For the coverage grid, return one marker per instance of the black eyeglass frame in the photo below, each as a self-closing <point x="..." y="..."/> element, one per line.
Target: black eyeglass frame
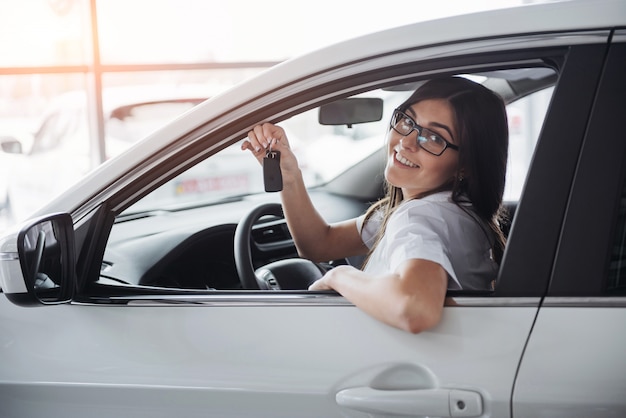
<point x="419" y="129"/>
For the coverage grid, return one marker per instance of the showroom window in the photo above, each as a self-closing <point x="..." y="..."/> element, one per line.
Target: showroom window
<point x="73" y="71"/>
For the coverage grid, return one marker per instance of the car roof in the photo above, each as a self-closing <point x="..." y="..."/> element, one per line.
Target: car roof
<point x="518" y="21"/>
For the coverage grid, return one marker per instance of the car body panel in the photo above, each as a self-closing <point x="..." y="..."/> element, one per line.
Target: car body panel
<point x="569" y="356"/>
<point x="243" y="357"/>
<point x="545" y="197"/>
<point x="580" y="332"/>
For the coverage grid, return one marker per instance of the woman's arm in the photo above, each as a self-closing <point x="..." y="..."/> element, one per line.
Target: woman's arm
<point x="411" y="298"/>
<point x="314" y="237"/>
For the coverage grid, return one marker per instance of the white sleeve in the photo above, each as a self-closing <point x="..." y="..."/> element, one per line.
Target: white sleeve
<point x="420" y="232"/>
<point x="368" y="230"/>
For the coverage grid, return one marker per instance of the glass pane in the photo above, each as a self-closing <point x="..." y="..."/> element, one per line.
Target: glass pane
<point x="183" y="31"/>
<point x="137" y="103"/>
<point x="210" y="81"/>
<point x="526" y="118"/>
<point x="617" y="264"/>
<point x="46" y="116"/>
<point x="44" y="33"/>
<point x="324" y="152"/>
<point x="232" y="172"/>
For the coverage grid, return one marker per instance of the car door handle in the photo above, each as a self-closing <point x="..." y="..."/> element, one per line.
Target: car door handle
<point x="421" y="402"/>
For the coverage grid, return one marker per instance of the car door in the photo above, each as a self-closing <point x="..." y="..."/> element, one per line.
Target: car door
<point x="574" y="364"/>
<point x="297" y="353"/>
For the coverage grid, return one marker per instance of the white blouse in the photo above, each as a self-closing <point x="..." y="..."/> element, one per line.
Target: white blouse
<point x="433" y="228"/>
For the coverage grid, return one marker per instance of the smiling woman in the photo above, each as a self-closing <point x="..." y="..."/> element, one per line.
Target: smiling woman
<point x="418" y="173"/>
<point x="328" y="150"/>
<point x="437" y="228"/>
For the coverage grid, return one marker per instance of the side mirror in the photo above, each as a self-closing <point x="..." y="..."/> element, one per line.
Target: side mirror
<point x="351" y="111"/>
<point x="10" y="145"/>
<point x="43" y="270"/>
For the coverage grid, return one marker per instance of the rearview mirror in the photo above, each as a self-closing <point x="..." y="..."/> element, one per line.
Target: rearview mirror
<point x="45" y="250"/>
<point x="351" y="111"/>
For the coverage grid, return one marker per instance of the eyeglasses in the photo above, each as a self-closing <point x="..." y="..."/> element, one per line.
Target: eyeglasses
<point x="426" y="139"/>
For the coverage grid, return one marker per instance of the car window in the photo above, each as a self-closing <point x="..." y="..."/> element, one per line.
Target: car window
<point x="616" y="281"/>
<point x="526" y="117"/>
<point x="231" y="172"/>
<point x="181" y="234"/>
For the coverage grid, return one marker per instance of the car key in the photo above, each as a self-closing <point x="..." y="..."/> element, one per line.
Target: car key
<point x="272" y="177"/>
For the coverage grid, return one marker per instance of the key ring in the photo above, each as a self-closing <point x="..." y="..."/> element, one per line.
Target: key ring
<point x="269" y="148"/>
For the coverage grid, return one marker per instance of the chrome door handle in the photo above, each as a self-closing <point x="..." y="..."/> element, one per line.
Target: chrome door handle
<point x="420" y="402"/>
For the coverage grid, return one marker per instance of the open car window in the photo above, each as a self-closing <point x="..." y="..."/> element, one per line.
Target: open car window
<point x="181" y="234"/>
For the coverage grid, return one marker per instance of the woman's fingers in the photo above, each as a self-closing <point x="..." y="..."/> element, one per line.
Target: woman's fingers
<point x="267" y="135"/>
<point x="261" y="136"/>
<point x="256" y="140"/>
<point x="319" y="285"/>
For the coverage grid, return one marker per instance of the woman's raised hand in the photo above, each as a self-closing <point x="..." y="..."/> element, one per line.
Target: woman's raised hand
<point x="259" y="140"/>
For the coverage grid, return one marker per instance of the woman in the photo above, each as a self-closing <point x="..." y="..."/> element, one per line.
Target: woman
<point x="438" y="226"/>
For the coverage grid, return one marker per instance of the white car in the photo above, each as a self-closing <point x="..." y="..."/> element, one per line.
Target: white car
<point x="144" y="306"/>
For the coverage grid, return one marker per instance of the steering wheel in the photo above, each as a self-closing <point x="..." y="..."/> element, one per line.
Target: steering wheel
<point x="287" y="274"/>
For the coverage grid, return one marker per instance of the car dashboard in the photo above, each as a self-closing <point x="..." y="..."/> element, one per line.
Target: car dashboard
<point x="194" y="248"/>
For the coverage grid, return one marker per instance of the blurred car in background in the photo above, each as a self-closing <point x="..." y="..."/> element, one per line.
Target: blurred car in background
<point x="36" y="166"/>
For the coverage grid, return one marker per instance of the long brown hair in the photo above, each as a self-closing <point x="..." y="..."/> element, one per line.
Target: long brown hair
<point x="483" y="140"/>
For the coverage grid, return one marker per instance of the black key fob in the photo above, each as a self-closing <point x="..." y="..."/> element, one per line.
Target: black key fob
<point x="272" y="177"/>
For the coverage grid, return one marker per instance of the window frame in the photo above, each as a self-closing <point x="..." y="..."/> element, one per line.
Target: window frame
<point x="582" y="262"/>
<point x="578" y="66"/>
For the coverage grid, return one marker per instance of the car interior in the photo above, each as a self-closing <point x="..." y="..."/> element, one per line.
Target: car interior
<point x="202" y="232"/>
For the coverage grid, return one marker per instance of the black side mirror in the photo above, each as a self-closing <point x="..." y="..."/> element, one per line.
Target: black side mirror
<point x="351" y="111"/>
<point x="45" y="249"/>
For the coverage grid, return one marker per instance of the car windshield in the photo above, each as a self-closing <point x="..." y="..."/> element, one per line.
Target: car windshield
<point x="326" y="151"/>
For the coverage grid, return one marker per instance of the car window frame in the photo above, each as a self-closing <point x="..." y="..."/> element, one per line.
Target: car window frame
<point x="533" y="241"/>
<point x="582" y="262"/>
<point x="512" y="283"/>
